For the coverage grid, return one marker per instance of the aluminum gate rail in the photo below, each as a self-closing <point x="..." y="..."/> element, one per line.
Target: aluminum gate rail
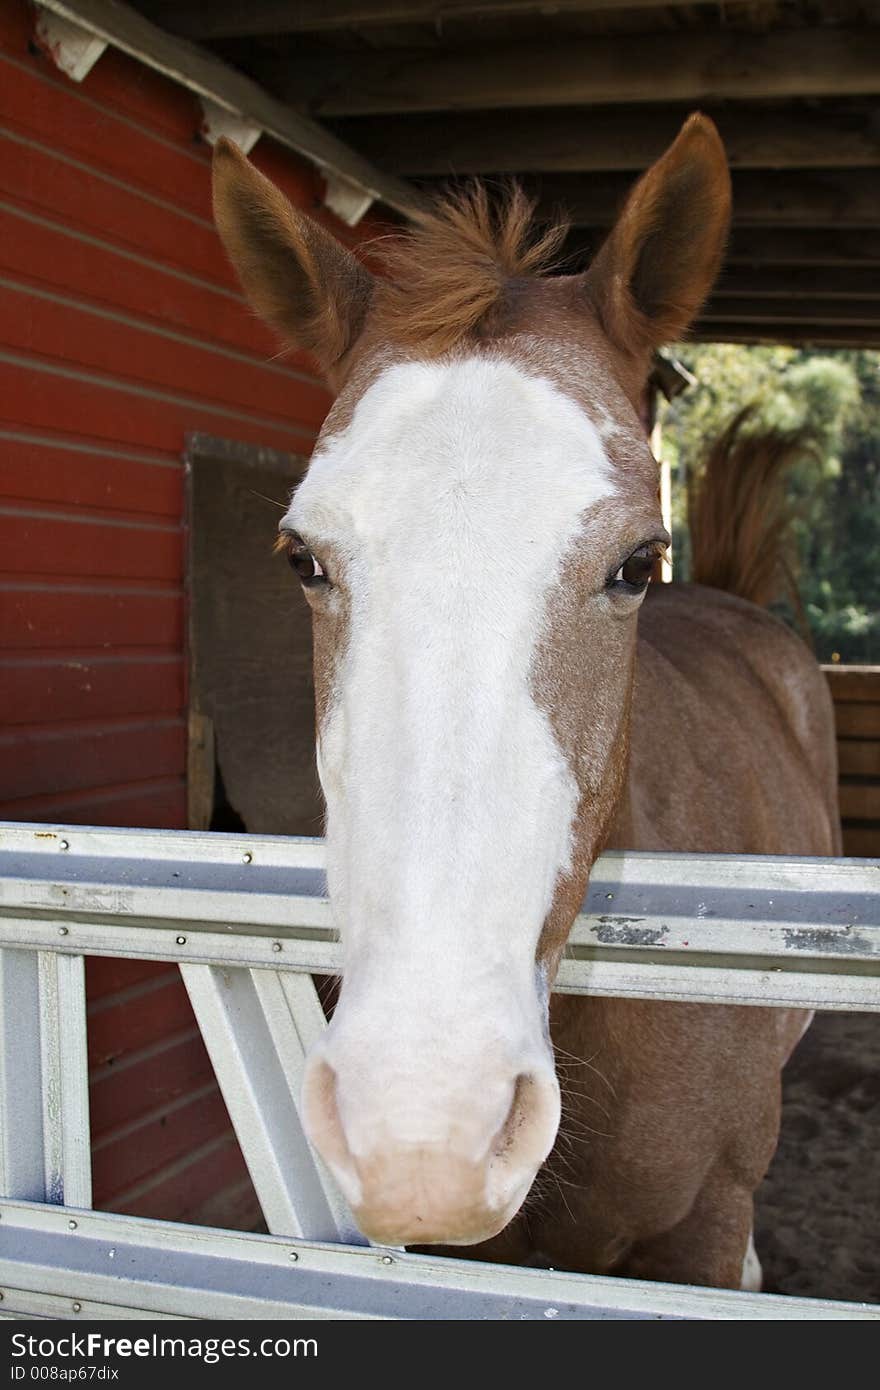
<point x="246" y="918"/>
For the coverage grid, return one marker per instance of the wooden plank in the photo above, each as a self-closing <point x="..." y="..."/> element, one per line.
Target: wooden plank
<point x="119" y="85"/>
<point x="797" y="282"/>
<point x="43" y="179"/>
<point x="813" y="246"/>
<point x="231" y="19"/>
<point x="770" y="246"/>
<point x="860" y="801"/>
<point x="75" y="545"/>
<point x="180" y="1187"/>
<point x="232" y="1205"/>
<point x="42" y="106"/>
<point x="818" y="312"/>
<point x="105" y="976"/>
<point x="117" y="82"/>
<point x="61" y="118"/>
<point x="207" y="76"/>
<point x="582" y="140"/>
<point x="837" y="199"/>
<point x="791" y="334"/>
<point x="72" y="617"/>
<point x="53" y="759"/>
<point x="201" y="771"/>
<point x="856" y="720"/>
<point x="51" y="254"/>
<point x="96" y="405"/>
<point x="861" y="841"/>
<point x="696" y="67"/>
<point x="168" y="1069"/>
<point x="87" y="474"/>
<point x="157" y="803"/>
<point x="854" y="682"/>
<point x="156" y="1140"/>
<point x="110" y="1039"/>
<point x="54" y="325"/>
<point x="73" y="686"/>
<point x="859" y="757"/>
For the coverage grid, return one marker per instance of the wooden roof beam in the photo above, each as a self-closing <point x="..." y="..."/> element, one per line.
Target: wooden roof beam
<point x="792" y="334"/>
<point x="696" y="67"/>
<point x="818" y="313"/>
<point x="585" y="140"/>
<point x="759" y="247"/>
<point x="798" y="282"/>
<point x="797" y="200"/>
<point x="219" y="19"/>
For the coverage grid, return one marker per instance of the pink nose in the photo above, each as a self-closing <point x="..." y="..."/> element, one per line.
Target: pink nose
<point x="422" y="1191"/>
<point x="424" y="1196"/>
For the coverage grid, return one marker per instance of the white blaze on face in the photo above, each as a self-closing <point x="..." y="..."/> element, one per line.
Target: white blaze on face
<point x="453" y="494"/>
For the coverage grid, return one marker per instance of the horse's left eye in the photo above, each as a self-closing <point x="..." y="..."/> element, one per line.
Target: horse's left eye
<point x="635" y="573"/>
<point x="301" y="560"/>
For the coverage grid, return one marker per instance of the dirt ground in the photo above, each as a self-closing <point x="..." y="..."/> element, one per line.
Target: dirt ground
<point x="817" y="1228"/>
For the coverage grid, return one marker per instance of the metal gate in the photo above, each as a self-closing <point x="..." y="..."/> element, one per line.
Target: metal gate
<point x="247" y="920"/>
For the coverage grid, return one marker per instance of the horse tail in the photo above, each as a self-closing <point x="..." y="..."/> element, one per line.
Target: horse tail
<point x="740" y="516"/>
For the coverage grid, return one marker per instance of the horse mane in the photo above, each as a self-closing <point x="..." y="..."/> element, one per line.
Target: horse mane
<point x="446" y="277"/>
<point x="740" y="516"/>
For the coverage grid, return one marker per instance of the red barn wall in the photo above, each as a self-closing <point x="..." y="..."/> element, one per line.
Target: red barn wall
<point x="121" y="328"/>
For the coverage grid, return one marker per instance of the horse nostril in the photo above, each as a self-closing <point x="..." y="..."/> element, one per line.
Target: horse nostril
<point x="323" y="1122"/>
<point x="506" y="1138"/>
<point x="527" y="1135"/>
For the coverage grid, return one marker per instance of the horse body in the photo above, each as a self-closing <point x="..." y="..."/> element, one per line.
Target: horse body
<point x="475" y="536"/>
<point x="749" y="762"/>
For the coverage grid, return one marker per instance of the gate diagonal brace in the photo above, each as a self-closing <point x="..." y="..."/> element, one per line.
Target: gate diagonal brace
<point x="258" y="1026"/>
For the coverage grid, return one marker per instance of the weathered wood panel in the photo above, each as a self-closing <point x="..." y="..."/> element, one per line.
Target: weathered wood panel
<point x="858" y="720"/>
<point x="250" y="645"/>
<point x="856" y="694"/>
<point x="859" y="757"/>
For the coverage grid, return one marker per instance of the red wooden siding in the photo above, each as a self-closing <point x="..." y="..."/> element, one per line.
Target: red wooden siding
<point x="121" y="328"/>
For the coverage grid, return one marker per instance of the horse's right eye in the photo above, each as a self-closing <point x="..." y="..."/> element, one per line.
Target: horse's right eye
<point x="306" y="565"/>
<point x="637" y="570"/>
<point x="634" y="574"/>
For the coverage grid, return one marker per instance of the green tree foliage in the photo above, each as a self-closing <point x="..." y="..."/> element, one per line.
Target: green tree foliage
<point x="834" y="488"/>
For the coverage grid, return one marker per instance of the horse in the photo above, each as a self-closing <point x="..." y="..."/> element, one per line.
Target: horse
<point x="498" y="698"/>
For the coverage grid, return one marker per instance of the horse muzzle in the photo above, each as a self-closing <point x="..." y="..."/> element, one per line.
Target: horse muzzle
<point x="451" y="1169"/>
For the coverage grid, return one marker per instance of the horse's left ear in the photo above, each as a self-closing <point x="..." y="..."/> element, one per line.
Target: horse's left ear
<point x="650" y="278"/>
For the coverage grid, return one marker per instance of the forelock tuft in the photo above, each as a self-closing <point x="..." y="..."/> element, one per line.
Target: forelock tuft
<point x="445" y="278"/>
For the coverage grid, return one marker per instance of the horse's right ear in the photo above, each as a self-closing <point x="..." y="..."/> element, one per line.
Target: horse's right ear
<point x="297" y="276"/>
